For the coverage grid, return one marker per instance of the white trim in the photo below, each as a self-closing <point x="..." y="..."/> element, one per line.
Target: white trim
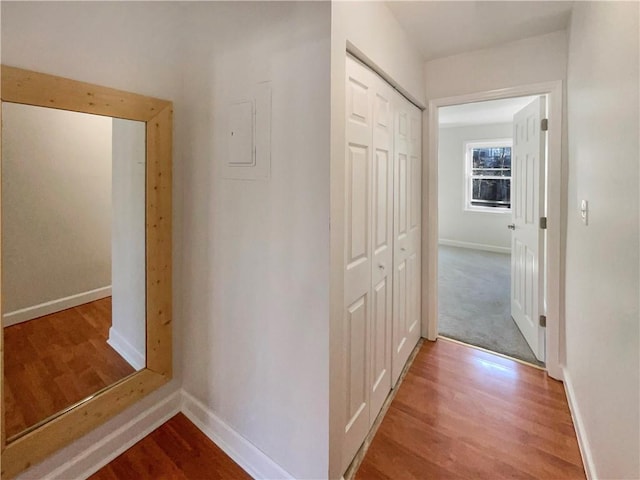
<point x="555" y="210"/>
<point x="120" y="344"/>
<point x="255" y="462"/>
<point x="474" y="246"/>
<point x="46" y="308"/>
<point x="89" y="461"/>
<point x="583" y="441"/>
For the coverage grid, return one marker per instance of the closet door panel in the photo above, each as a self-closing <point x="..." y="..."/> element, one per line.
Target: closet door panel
<point x="356" y="336"/>
<point x="407" y="200"/>
<point x="415" y="209"/>
<point x="382" y="265"/>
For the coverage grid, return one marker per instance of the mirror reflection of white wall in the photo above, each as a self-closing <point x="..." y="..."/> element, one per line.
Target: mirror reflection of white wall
<point x="73" y="236"/>
<point x="56" y="210"/>
<point x="127" y="333"/>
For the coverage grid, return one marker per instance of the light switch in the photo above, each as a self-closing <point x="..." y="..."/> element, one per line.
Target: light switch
<point x="240" y="135"/>
<point x="584" y="212"/>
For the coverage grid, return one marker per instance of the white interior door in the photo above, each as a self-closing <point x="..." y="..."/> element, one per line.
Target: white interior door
<point x="407" y="204"/>
<point x="358" y="256"/>
<point x="527" y="205"/>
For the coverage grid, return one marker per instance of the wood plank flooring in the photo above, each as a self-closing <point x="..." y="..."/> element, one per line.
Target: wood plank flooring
<point x="465" y="413"/>
<point x="176" y="450"/>
<point x="460" y="413"/>
<point x="53" y="362"/>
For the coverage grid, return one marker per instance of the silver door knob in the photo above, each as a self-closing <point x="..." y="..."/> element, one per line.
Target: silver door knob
<point x="381" y="267"/>
<point x="511" y="226"/>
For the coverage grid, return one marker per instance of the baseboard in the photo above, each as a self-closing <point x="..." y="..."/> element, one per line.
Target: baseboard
<point x="29" y="313"/>
<point x="255" y="462"/>
<point x="134" y="357"/>
<point x="583" y="441"/>
<point x="99" y="454"/>
<point x="474" y="246"/>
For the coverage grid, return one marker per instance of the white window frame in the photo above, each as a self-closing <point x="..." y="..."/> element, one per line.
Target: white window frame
<point x="468" y="178"/>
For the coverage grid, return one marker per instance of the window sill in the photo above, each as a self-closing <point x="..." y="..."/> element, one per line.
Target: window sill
<point x="498" y="211"/>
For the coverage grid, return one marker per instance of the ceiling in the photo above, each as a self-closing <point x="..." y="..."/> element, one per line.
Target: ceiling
<point x="494" y="111"/>
<point x="443" y="28"/>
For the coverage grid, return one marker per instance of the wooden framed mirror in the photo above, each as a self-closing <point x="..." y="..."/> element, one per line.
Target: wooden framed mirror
<point x="44" y="436"/>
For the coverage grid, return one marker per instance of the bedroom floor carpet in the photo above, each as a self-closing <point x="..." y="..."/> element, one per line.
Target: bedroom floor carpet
<point x="473" y="301"/>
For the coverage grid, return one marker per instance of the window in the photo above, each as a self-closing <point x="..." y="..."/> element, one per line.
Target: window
<point x="488" y="176"/>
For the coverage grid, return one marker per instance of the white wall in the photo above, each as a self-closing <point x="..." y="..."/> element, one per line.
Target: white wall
<point x="602" y="285"/>
<point x="372" y="29"/>
<point x="532" y="60"/>
<point x="127" y="334"/>
<point x="56" y="205"/>
<point x="251" y="259"/>
<point x="455" y="224"/>
<point x="256" y="264"/>
<point x="129" y="45"/>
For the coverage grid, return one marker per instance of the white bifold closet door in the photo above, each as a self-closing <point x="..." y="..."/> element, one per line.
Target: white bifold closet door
<point x="406" y="233"/>
<point x="382" y="246"/>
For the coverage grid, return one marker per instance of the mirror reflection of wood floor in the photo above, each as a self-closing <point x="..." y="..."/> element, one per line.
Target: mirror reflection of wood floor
<point x="54" y="361"/>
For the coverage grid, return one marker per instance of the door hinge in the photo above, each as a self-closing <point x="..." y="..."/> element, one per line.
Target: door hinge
<point x="543" y="320"/>
<point x="544" y="124"/>
<point x="543" y="223"/>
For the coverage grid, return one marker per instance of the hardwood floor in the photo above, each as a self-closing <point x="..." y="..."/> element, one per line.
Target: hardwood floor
<point x="465" y="413"/>
<point x="459" y="413"/>
<point x="176" y="450"/>
<point x="55" y="361"/>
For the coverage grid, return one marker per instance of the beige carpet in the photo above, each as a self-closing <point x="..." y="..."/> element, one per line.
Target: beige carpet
<point x="473" y="301"/>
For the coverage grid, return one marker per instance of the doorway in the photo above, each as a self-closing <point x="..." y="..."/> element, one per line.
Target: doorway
<point x="491" y="262"/>
<point x="477" y="201"/>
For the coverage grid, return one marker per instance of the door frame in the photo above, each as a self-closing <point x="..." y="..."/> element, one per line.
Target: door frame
<point x="555" y="189"/>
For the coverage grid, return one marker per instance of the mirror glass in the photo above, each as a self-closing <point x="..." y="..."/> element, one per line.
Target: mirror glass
<point x="73" y="259"/>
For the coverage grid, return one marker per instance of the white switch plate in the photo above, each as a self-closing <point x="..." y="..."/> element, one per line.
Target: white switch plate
<point x="584" y="212"/>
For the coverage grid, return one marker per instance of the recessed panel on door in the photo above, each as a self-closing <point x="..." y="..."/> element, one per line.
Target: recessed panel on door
<point x="415" y="179"/>
<point x="403" y="124"/>
<point x="530" y="194"/>
<point x="403" y="184"/>
<point x="413" y="294"/>
<point x="357" y="204"/>
<point x="380" y="344"/>
<point x="358" y="102"/>
<point x="400" y="293"/>
<point x="383" y="111"/>
<point x="355" y="334"/>
<point x="382" y="185"/>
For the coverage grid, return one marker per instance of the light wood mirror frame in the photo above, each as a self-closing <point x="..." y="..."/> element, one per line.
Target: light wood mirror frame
<point x="32" y="88"/>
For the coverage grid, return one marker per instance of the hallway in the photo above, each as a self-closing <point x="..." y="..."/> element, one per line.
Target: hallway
<point x="462" y="412"/>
